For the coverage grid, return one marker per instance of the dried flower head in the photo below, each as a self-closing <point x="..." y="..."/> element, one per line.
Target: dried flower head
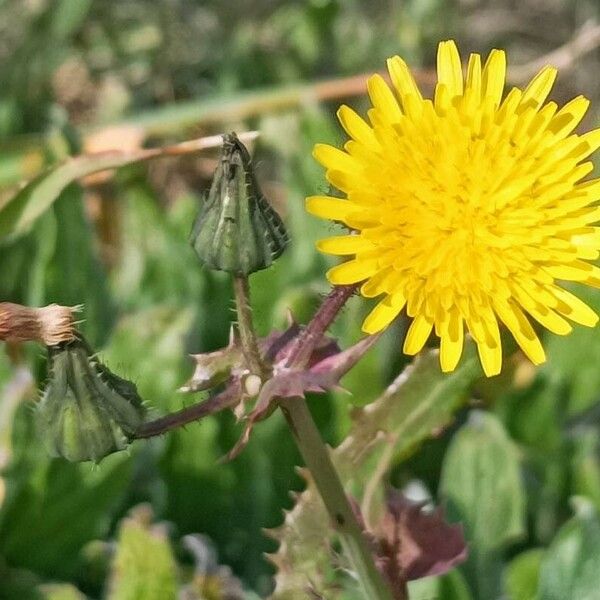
<point x="466" y="209"/>
<point x="50" y="325"/>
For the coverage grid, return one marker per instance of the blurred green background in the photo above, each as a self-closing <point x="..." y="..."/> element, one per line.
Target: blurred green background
<point x="519" y="466"/>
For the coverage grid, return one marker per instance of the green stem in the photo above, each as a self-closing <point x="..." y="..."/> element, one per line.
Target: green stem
<point x="248" y="337"/>
<point x="308" y="439"/>
<point x="329" y="486"/>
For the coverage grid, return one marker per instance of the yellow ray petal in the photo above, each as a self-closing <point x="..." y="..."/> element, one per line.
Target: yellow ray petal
<point x="383" y="99"/>
<point x="334" y="158"/>
<point x="417" y="334"/>
<point x="590" y="188"/>
<point x="342" y="245"/>
<point x="591" y="142"/>
<point x="384" y="313"/>
<point x="402" y="78"/>
<point x="379" y="283"/>
<point x="442" y="100"/>
<point x="542" y="314"/>
<point x="569" y="116"/>
<point x="538" y="89"/>
<point x="574" y="308"/>
<point x="577" y="270"/>
<point x="517" y="323"/>
<point x="451" y="340"/>
<point x="352" y="271"/>
<point x="345" y="181"/>
<point x="473" y="81"/>
<point x="326" y="207"/>
<point x="490" y="356"/>
<point x="494" y="75"/>
<point x="356" y="127"/>
<point x="449" y="68"/>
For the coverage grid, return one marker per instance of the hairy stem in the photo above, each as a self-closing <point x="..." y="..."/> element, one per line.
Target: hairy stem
<point x="314" y="452"/>
<point x="324" y="317"/>
<point x="317" y="459"/>
<point x="228" y="398"/>
<point x="248" y="338"/>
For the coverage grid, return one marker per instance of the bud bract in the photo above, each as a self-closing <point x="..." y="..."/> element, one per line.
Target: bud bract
<point x="86" y="412"/>
<point x="237" y="230"/>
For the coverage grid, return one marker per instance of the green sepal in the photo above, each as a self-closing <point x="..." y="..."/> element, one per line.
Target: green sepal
<point x="86" y="412"/>
<point x="237" y="230"/>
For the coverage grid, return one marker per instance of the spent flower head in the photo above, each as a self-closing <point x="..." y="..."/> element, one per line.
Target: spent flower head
<point x="468" y="210"/>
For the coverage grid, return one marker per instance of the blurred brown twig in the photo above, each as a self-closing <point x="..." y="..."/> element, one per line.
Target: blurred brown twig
<point x="585" y="40"/>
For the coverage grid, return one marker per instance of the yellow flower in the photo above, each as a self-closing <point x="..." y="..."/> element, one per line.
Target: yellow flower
<point x="465" y="210"/>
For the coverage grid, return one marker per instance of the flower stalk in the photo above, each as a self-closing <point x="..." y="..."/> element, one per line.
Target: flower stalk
<point x="318" y="461"/>
<point x="248" y="339"/>
<point x="308" y="439"/>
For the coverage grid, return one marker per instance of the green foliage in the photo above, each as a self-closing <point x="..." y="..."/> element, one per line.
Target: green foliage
<point x="522" y="575"/>
<point x="144" y="565"/>
<point x="419" y="402"/>
<point x="571" y="565"/>
<point x="20" y="212"/>
<point x="482" y="485"/>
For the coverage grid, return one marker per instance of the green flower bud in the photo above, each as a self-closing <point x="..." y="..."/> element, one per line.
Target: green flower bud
<point x="237" y="230"/>
<point x="86" y="412"/>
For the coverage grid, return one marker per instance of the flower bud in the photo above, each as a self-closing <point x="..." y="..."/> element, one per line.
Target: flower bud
<point x="86" y="412"/>
<point x="237" y="230"/>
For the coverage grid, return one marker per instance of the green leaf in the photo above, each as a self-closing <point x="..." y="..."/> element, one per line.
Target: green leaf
<point x="14" y="391"/>
<point x="67" y="17"/>
<point x="572" y="563"/>
<point x="481" y="484"/>
<point x="522" y="575"/>
<point x="420" y="401"/>
<point x="74" y="274"/>
<point x="451" y="586"/>
<point x="572" y="364"/>
<point x="64" y="505"/>
<point x="60" y="591"/>
<point x="21" y="211"/>
<point x="144" y="565"/>
<point x="157" y="263"/>
<point x="585" y="466"/>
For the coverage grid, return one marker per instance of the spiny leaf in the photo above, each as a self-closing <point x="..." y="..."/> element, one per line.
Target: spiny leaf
<point x="418" y="403"/>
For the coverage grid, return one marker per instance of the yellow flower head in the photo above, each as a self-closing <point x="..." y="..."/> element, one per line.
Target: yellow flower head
<point x="468" y="209"/>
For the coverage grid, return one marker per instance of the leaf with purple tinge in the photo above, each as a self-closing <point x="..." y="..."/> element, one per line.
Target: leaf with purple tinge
<point x="214" y="368"/>
<point x="422" y="400"/>
<point x="323" y="375"/>
<point x="414" y="543"/>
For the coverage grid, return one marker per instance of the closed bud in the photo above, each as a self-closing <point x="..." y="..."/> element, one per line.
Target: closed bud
<point x="237" y="230"/>
<point x="86" y="412"/>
